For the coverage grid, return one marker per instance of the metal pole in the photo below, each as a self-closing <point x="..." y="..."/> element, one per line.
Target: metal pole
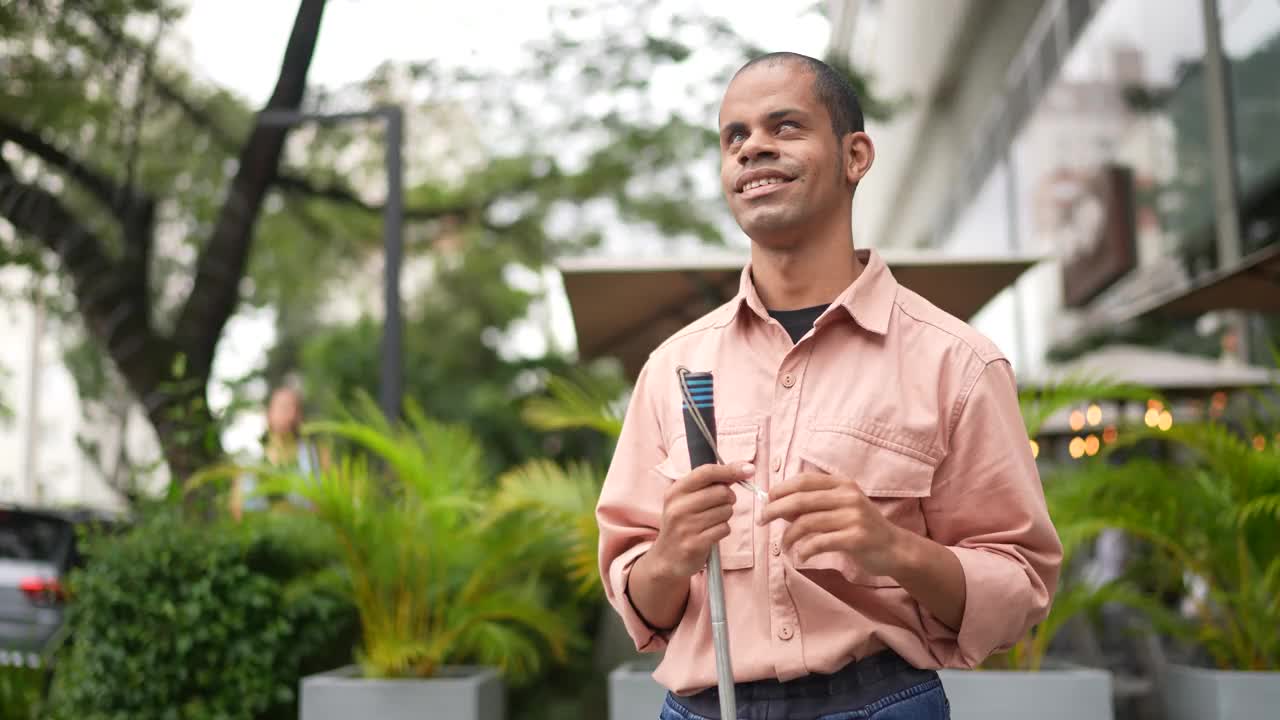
<point x="391" y="380"/>
<point x="1222" y="156"/>
<point x="393" y="242"/>
<point x="30" y="475"/>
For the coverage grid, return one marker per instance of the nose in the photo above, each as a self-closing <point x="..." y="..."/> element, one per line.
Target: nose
<point x="757" y="146"/>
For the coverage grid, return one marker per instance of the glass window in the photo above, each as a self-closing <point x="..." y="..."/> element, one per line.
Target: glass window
<point x="1112" y="166"/>
<point x="1251" y="42"/>
<point x="32" y="537"/>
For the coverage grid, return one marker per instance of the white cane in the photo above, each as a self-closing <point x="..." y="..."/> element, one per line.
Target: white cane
<point x="699" y="414"/>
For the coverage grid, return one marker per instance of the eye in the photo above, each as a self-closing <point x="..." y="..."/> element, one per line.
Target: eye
<point x="788" y="125"/>
<point x="737" y="137"/>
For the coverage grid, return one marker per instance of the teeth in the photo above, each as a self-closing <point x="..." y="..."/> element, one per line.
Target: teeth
<point x="761" y="183"/>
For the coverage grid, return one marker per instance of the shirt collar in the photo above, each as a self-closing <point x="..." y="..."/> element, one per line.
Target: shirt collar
<point x="868" y="300"/>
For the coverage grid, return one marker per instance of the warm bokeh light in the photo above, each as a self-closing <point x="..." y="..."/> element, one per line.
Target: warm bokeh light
<point x="1152" y="417"/>
<point x="1077" y="447"/>
<point x="1166" y="420"/>
<point x="1110" y="434"/>
<point x="1091" y="445"/>
<point x="1094" y="415"/>
<point x="1035" y="449"/>
<point x="1077" y="420"/>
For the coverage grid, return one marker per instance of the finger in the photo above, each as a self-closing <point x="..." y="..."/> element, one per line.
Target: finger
<point x="795" y="505"/>
<point x="816" y="544"/>
<point x="714" y="534"/>
<point x="707" y="519"/>
<point x="717" y="475"/>
<point x="804" y="482"/>
<point x="703" y="498"/>
<point x="815" y="524"/>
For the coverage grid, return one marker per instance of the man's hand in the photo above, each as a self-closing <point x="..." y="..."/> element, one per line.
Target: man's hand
<point x="829" y="513"/>
<point x="695" y="513"/>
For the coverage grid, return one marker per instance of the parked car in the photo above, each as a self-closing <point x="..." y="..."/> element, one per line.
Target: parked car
<point x="38" y="548"/>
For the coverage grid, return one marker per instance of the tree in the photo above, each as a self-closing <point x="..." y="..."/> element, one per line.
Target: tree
<point x="164" y="206"/>
<point x="85" y="200"/>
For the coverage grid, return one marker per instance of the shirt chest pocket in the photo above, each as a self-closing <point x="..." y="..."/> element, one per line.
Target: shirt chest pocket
<point x="736" y="444"/>
<point x="895" y="479"/>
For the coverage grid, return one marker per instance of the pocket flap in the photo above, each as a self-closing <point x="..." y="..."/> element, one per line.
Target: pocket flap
<point x="880" y="471"/>
<point x="735" y="444"/>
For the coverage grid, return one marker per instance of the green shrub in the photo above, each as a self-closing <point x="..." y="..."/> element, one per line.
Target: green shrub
<point x="189" y="621"/>
<point x="21" y="692"/>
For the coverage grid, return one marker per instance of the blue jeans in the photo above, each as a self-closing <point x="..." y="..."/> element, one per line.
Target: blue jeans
<point x="925" y="701"/>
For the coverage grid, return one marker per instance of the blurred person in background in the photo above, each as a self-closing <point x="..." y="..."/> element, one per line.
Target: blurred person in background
<point x="905" y="527"/>
<point x="283" y="447"/>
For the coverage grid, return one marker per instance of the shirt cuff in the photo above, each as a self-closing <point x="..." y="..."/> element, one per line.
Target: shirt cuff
<point x="645" y="637"/>
<point x="996" y="604"/>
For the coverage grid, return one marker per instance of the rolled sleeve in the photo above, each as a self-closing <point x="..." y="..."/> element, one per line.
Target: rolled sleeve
<point x="987" y="506"/>
<point x="646" y="638"/>
<point x="629" y="510"/>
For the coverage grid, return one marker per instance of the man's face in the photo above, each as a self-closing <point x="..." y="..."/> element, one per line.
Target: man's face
<point x="781" y="167"/>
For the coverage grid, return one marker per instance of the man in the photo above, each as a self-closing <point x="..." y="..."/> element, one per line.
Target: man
<point x="905" y="528"/>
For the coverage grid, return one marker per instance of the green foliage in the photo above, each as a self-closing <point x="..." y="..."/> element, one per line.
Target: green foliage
<point x="546" y="493"/>
<point x="579" y="400"/>
<point x="1207" y="512"/>
<point x="436" y="577"/>
<point x="178" y="620"/>
<point x="22" y="692"/>
<point x="565" y="495"/>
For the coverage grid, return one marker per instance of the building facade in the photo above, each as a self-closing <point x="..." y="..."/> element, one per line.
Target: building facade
<point x="1127" y="141"/>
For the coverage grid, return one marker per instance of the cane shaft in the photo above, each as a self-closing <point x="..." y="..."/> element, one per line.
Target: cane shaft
<point x="700" y="430"/>
<point x="720" y="636"/>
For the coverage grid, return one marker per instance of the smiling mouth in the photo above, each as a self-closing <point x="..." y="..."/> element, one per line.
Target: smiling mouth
<point x="757" y="188"/>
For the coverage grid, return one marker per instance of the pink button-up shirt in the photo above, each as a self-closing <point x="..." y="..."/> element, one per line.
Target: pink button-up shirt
<point x="911" y="403"/>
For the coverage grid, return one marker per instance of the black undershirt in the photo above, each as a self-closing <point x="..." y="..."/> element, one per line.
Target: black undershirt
<point x="797" y="322"/>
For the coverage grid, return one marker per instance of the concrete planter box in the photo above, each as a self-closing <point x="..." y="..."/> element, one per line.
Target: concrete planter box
<point x="1065" y="694"/>
<point x="458" y="693"/>
<point x="633" y="693"/>
<point x="1204" y="694"/>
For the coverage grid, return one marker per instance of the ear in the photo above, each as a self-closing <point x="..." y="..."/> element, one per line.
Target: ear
<point x="858" y="153"/>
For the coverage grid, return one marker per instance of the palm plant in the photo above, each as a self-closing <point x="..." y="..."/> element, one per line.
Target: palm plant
<point x="565" y="496"/>
<point x="437" y="578"/>
<point x="1214" y="514"/>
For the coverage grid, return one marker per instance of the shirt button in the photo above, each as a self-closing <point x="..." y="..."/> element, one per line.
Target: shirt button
<point x="788" y="380"/>
<point x="777" y="464"/>
<point x="784" y="632"/>
<point x="775" y="548"/>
